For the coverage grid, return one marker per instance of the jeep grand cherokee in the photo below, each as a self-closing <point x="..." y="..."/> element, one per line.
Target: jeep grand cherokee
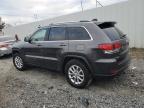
<point x="82" y="50"/>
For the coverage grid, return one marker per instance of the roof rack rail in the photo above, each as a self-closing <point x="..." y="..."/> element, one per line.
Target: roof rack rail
<point x="84" y="21"/>
<point x="51" y="24"/>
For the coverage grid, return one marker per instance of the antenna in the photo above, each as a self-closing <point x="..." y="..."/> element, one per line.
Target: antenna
<point x="82" y="5"/>
<point x="99" y="3"/>
<point x="96" y="3"/>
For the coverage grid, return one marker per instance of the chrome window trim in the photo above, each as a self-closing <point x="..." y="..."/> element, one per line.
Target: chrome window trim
<point x="91" y="38"/>
<point x="62" y="41"/>
<point x="42" y="57"/>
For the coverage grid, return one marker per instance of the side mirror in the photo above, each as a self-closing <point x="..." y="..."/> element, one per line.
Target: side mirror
<point x="27" y="39"/>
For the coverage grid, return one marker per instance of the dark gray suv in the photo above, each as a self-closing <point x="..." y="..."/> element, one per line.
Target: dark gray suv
<point x="82" y="50"/>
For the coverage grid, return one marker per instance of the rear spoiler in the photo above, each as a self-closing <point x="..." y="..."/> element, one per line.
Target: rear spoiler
<point x="103" y="25"/>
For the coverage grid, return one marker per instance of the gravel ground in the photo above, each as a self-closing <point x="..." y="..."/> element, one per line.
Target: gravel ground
<point x="40" y="88"/>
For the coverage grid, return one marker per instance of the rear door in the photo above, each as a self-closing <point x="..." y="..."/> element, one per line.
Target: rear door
<point x="55" y="47"/>
<point x="79" y="40"/>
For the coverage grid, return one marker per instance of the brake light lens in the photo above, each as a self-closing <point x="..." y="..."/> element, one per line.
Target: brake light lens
<point x="106" y="46"/>
<point x="117" y="45"/>
<point x="110" y="46"/>
<point x="3" y="45"/>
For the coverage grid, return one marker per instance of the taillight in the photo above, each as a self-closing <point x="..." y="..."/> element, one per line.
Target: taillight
<point x="3" y="45"/>
<point x="117" y="45"/>
<point x="106" y="46"/>
<point x="110" y="47"/>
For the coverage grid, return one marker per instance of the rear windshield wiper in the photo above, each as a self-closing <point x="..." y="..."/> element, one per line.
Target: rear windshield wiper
<point x="123" y="36"/>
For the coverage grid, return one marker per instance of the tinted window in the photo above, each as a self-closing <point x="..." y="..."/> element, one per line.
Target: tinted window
<point x="57" y="33"/>
<point x="78" y="33"/>
<point x="110" y="30"/>
<point x="39" y="35"/>
<point x="113" y="33"/>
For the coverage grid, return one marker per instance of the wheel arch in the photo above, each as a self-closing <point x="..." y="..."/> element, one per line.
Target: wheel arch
<point x="81" y="58"/>
<point x="14" y="51"/>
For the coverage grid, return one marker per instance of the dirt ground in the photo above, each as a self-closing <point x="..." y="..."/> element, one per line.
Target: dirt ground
<point x="40" y="88"/>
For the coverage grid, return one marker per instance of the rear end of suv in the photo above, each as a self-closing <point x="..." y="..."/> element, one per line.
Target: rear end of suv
<point x="82" y="50"/>
<point x="112" y="56"/>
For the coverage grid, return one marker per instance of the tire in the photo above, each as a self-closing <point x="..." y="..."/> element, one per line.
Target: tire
<point x="77" y="74"/>
<point x="19" y="62"/>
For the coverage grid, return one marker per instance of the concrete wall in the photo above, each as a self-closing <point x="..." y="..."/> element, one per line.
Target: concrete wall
<point x="129" y="15"/>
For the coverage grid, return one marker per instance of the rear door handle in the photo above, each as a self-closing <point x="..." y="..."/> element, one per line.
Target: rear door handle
<point x="39" y="45"/>
<point x="62" y="45"/>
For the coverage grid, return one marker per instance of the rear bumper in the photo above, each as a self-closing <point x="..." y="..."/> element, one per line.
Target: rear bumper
<point x="110" y="67"/>
<point x="4" y="51"/>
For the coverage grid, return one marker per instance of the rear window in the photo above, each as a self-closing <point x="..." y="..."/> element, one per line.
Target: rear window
<point x="113" y="33"/>
<point x="57" y="33"/>
<point x="2" y="39"/>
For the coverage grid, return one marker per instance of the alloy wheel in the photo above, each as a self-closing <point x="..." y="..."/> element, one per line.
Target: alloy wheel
<point x="76" y="74"/>
<point x="18" y="62"/>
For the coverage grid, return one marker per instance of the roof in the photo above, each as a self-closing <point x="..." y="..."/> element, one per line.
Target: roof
<point x="111" y="23"/>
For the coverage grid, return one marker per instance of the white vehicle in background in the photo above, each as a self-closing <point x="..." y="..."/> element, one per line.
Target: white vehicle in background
<point x="6" y="43"/>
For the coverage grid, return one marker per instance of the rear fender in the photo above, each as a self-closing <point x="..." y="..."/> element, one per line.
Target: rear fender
<point x="69" y="57"/>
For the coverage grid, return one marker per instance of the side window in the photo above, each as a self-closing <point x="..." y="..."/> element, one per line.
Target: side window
<point x="39" y="35"/>
<point x="57" y="33"/>
<point x="78" y="33"/>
